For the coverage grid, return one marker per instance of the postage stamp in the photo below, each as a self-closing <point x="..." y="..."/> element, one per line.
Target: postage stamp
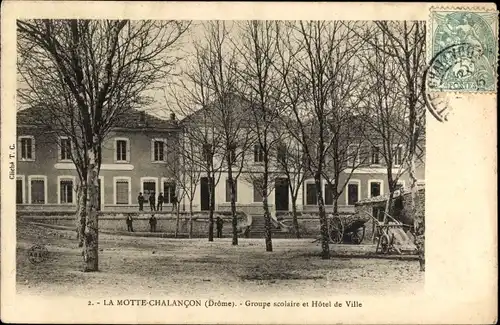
<point x="463" y="51"/>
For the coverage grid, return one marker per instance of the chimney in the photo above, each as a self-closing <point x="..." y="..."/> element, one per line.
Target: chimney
<point x="172" y="116"/>
<point x="142" y="117"/>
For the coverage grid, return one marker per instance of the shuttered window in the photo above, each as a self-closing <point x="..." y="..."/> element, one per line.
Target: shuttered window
<point x="257" y="190"/>
<point x="66" y="191"/>
<point x="311" y="196"/>
<point x="168" y="192"/>
<point x="329" y="194"/>
<point x="122" y="192"/>
<point x="374" y="189"/>
<point x="65" y="149"/>
<point x="38" y="191"/>
<point x="352" y="194"/>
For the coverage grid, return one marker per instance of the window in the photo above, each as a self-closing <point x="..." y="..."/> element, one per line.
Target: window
<point x="148" y="188"/>
<point x="122" y="191"/>
<point x="122" y="150"/>
<point x="375" y="189"/>
<point x="258" y="153"/>
<point x="257" y="190"/>
<point x="159" y="150"/>
<point x="375" y="155"/>
<point x="352" y="193"/>
<point x="207" y="152"/>
<point x="27" y="147"/>
<point x="352" y="156"/>
<point x="168" y="192"/>
<point x="20" y="189"/>
<point x="65" y="148"/>
<point x="66" y="191"/>
<point x="228" y="191"/>
<point x="398" y="156"/>
<point x="281" y="154"/>
<point x="38" y="191"/>
<point x="329" y="190"/>
<point x="311" y="194"/>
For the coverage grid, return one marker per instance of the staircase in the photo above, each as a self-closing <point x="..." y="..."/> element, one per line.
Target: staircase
<point x="258" y="228"/>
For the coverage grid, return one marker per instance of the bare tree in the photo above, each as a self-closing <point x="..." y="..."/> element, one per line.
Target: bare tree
<point x="290" y="163"/>
<point x="202" y="144"/>
<point x="258" y="51"/>
<point x="87" y="74"/>
<point x="398" y="65"/>
<point x="316" y="53"/>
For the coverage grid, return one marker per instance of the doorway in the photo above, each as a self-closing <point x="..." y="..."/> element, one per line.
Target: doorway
<point x="281" y="197"/>
<point x="204" y="194"/>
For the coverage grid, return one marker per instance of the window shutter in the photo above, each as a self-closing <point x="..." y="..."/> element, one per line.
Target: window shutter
<point x="152" y="150"/>
<point x="127" y="144"/>
<point x="33" y="148"/>
<point x="38" y="191"/>
<point x="122" y="192"/>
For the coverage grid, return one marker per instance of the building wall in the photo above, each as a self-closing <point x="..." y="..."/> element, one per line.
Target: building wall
<point x="140" y="165"/>
<point x="362" y="176"/>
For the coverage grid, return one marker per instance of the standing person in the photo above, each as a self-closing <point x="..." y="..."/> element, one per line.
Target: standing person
<point x="174" y="201"/>
<point x="220" y="224"/>
<point x="160" y="202"/>
<point x="152" y="223"/>
<point x="129" y="223"/>
<point x="141" y="200"/>
<point x="152" y="201"/>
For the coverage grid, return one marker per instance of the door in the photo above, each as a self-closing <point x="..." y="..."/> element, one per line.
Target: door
<point x="204" y="194"/>
<point x="281" y="197"/>
<point x="148" y="188"/>
<point x="19" y="191"/>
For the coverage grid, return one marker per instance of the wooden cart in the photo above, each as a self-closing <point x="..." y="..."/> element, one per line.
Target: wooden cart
<point x="347" y="229"/>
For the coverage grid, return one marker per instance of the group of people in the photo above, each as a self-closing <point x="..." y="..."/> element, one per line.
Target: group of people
<point x="152" y="202"/>
<point x="152" y="223"/>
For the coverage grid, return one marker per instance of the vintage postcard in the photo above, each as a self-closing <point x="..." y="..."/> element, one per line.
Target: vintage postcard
<point x="248" y="163"/>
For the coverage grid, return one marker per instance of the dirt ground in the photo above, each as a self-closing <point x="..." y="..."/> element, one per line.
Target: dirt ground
<point x="152" y="266"/>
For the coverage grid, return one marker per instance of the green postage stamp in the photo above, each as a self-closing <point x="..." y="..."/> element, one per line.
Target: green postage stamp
<point x="463" y="51"/>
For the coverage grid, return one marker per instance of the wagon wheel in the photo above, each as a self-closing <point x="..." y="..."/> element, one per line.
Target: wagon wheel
<point x="384" y="243"/>
<point x="336" y="230"/>
<point x="358" y="235"/>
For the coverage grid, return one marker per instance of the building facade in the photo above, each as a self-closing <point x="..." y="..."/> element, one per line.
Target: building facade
<point x="137" y="157"/>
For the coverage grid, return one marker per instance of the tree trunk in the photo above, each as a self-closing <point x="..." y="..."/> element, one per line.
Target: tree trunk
<point x="336" y="204"/>
<point x="267" y="220"/>
<point x="295" y="220"/>
<point x="190" y="218"/>
<point x="81" y="213"/>
<point x="177" y="219"/>
<point x="325" y="240"/>
<point x="211" y="209"/>
<point x="90" y="245"/>
<point x="233" y="206"/>
<point x="418" y="216"/>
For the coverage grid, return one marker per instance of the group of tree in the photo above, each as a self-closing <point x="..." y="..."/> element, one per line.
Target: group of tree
<point x="307" y="98"/>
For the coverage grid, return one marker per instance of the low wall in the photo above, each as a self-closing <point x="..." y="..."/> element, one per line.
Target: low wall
<point x="166" y="222"/>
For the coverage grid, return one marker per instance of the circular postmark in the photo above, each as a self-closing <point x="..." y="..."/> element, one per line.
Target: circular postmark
<point x="453" y="68"/>
<point x="37" y="253"/>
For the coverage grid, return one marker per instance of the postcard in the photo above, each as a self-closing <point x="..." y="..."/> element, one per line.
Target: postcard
<point x="248" y="163"/>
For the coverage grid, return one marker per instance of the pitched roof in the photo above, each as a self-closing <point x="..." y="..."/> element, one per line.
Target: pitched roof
<point x="132" y="118"/>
